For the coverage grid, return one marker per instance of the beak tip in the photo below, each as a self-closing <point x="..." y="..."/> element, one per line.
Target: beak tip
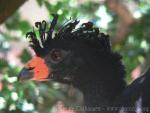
<point x="25" y="74"/>
<point x="19" y="77"/>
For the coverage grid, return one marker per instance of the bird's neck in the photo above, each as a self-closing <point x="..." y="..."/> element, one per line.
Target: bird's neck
<point x="100" y="90"/>
<point x="98" y="98"/>
<point x="101" y="81"/>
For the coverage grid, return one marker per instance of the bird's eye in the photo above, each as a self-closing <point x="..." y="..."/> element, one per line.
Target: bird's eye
<point x="56" y="55"/>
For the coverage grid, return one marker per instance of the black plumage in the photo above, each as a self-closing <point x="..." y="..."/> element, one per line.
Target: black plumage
<point x="91" y="66"/>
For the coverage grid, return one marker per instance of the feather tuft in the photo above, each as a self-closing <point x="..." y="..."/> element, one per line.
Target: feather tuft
<point x="86" y="33"/>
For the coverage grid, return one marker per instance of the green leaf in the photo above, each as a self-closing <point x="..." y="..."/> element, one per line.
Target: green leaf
<point x="25" y="56"/>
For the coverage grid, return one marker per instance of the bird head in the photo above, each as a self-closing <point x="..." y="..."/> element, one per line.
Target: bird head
<point x="60" y="56"/>
<point x="58" y="64"/>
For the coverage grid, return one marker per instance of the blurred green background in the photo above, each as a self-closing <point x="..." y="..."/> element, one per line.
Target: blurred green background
<point x="127" y="22"/>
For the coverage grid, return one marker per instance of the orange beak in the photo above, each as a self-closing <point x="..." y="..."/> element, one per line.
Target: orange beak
<point x="35" y="69"/>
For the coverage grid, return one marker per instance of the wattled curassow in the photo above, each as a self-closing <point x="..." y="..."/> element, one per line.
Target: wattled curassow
<point x="82" y="56"/>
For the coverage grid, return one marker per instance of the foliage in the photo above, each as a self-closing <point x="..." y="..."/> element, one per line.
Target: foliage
<point x="31" y="97"/>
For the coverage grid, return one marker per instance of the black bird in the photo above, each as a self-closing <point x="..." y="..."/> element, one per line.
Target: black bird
<point x="82" y="56"/>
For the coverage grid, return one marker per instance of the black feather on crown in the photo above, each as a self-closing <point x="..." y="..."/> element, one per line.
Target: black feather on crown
<point x="85" y="33"/>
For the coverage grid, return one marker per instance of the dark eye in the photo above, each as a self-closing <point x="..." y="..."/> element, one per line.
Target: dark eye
<point x="56" y="55"/>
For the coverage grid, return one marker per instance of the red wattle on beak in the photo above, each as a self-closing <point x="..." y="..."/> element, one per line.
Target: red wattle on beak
<point x="36" y="69"/>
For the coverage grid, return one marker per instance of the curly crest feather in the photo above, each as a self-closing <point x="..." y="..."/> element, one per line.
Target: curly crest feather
<point x="86" y="33"/>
